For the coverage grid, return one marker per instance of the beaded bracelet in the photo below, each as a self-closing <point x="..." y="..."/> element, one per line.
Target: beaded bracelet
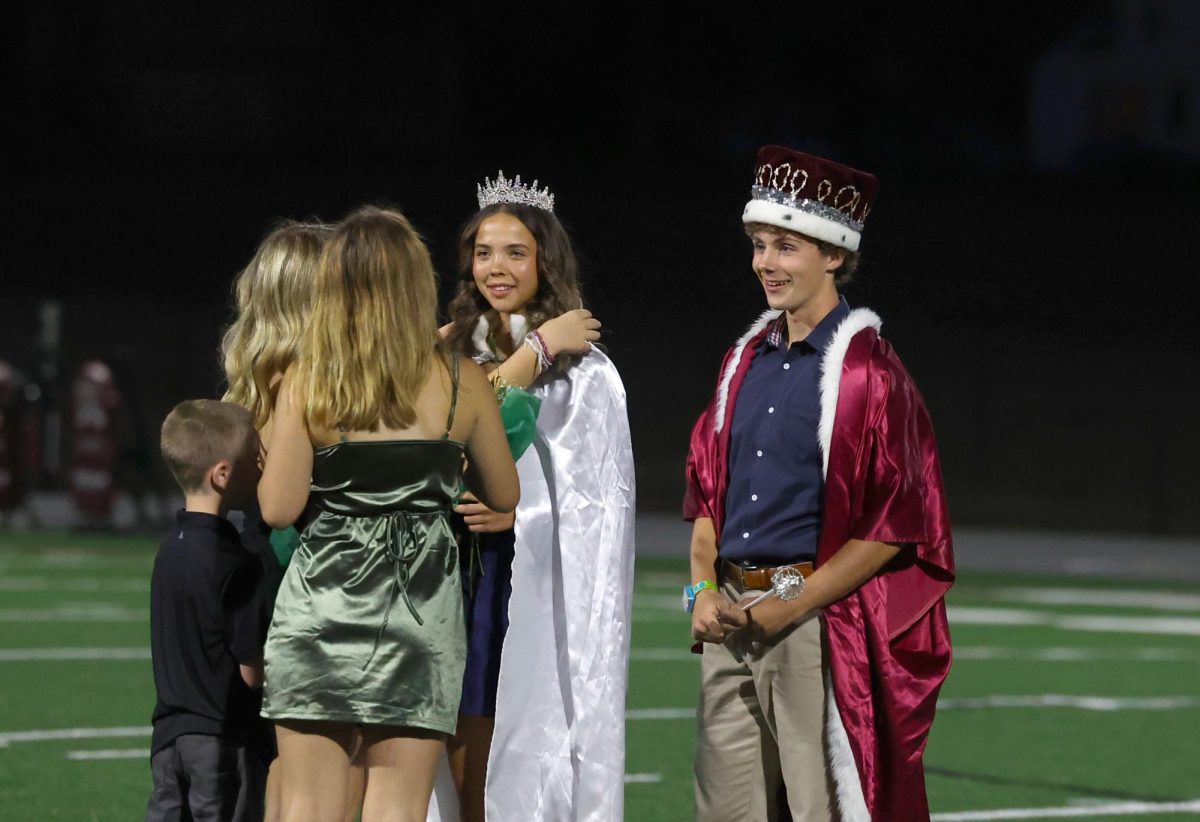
<point x="538" y="345"/>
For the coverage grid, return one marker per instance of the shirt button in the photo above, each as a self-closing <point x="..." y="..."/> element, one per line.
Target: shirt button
<point x="771" y="410"/>
<point x="745" y="535"/>
<point x="786" y="366"/>
<point x="754" y="497"/>
<point x="759" y="453"/>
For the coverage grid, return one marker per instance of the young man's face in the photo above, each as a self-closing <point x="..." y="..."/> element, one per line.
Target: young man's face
<point x="792" y="269"/>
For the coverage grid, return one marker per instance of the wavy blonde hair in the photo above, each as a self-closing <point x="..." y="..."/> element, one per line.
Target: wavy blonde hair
<point x="274" y="294"/>
<point x="373" y="331"/>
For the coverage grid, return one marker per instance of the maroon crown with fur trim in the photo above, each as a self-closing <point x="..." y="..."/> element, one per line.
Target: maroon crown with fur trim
<point x="810" y="195"/>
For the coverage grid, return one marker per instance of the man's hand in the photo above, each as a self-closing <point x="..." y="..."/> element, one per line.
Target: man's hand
<point x="764" y="621"/>
<point x="706" y="625"/>
<point x="480" y="518"/>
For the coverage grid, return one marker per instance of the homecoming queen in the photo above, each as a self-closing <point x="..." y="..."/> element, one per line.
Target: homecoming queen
<point x="547" y="592"/>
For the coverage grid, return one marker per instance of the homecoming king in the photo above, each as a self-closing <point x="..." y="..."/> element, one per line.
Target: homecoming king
<point x="821" y="546"/>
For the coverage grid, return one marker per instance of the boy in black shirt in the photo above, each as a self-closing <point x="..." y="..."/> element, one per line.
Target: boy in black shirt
<point x="210" y="606"/>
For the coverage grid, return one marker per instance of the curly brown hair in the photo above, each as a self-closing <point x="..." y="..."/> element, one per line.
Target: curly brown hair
<point x="557" y="270"/>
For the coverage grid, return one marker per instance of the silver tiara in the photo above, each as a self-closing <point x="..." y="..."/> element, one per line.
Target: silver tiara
<point x="506" y="191"/>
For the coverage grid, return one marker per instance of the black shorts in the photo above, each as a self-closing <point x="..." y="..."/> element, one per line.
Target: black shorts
<point x="204" y="777"/>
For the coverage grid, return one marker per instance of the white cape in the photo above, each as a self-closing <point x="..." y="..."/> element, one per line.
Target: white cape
<point x="558" y="752"/>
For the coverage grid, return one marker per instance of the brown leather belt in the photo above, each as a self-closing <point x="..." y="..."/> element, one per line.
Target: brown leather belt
<point x="757" y="579"/>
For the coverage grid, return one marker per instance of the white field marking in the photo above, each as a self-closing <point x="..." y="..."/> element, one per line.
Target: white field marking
<point x="1151" y="599"/>
<point x="1186" y="626"/>
<point x="1084" y="703"/>
<point x="75" y="561"/>
<point x="661" y="713"/>
<point x="1076" y="654"/>
<point x="116" y="753"/>
<point x="973" y="653"/>
<point x="960" y="615"/>
<point x="9" y="737"/>
<point x="90" y="613"/>
<point x="1083" y="811"/>
<point x="642" y="778"/>
<point x="70" y="654"/>
<point x="75" y="584"/>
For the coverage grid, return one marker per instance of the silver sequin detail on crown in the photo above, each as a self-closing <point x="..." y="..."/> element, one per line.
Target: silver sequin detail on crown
<point x="772" y="195"/>
<point x="513" y="191"/>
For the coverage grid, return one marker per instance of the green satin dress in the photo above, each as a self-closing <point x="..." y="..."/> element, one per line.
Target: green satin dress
<point x="368" y="625"/>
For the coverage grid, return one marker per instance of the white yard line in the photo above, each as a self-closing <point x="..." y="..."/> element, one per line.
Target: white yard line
<point x="96" y="613"/>
<point x="75" y="584"/>
<point x="642" y="778"/>
<point x="1180" y="626"/>
<point x="71" y="654"/>
<point x="964" y="653"/>
<point x="1138" y="598"/>
<point x="9" y="737"/>
<point x="1085" y="703"/>
<point x="1081" y="812"/>
<point x="1076" y="653"/>
<point x="118" y="753"/>
<point x="684" y="654"/>
<point x="661" y="713"/>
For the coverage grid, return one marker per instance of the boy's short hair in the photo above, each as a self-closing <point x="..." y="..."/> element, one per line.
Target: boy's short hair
<point x="849" y="258"/>
<point x="198" y="434"/>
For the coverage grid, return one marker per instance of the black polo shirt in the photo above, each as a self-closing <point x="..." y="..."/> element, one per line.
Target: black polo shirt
<point x="773" y="504"/>
<point x="209" y="611"/>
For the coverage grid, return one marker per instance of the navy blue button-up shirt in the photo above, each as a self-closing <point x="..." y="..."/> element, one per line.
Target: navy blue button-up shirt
<point x="773" y="505"/>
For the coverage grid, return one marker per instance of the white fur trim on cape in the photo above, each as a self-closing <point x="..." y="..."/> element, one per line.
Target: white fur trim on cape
<point x="516" y="323"/>
<point x="727" y="378"/>
<point x="831" y="373"/>
<point x="810" y="225"/>
<point x="846" y="779"/>
<point x="851" y="803"/>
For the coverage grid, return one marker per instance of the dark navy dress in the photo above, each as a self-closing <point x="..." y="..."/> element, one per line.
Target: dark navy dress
<point x="487" y="586"/>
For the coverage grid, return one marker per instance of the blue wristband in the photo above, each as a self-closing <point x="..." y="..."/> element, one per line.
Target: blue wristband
<point x="690" y="591"/>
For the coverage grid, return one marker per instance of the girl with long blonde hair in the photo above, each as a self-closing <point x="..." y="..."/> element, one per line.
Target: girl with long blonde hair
<point x="273" y="297"/>
<point x="370" y="427"/>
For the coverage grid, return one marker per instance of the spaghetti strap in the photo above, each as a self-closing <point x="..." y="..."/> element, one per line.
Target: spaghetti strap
<point x="453" y="393"/>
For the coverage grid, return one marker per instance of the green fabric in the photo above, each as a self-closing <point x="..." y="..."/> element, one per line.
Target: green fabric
<point x="369" y="624"/>
<point x="518" y="410"/>
<point x="284" y="543"/>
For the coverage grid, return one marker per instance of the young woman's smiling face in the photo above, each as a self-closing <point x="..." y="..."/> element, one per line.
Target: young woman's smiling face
<point x="505" y="263"/>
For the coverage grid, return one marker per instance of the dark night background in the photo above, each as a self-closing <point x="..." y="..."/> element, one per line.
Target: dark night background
<point x="1037" y="296"/>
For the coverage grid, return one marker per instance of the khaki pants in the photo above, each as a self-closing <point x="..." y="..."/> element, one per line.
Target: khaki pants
<point x="760" y="724"/>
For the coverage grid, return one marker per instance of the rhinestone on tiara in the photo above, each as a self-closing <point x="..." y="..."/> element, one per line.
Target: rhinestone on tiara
<point x="513" y="191"/>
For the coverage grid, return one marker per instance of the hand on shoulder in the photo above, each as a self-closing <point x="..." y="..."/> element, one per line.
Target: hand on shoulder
<point x="571" y="333"/>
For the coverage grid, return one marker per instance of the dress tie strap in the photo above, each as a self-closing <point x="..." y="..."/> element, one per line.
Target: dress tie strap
<point x="400" y="545"/>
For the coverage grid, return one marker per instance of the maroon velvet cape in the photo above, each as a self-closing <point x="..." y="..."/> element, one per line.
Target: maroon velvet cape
<point x="888" y="641"/>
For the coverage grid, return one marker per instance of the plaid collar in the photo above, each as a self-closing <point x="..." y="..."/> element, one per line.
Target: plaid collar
<point x="819" y="337"/>
<point x="777" y="331"/>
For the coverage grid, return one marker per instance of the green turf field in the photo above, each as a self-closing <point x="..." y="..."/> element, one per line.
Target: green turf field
<point x="1068" y="699"/>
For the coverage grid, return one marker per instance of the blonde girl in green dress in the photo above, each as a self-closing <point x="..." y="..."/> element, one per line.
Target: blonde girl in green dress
<point x="368" y="626"/>
<point x="273" y="299"/>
